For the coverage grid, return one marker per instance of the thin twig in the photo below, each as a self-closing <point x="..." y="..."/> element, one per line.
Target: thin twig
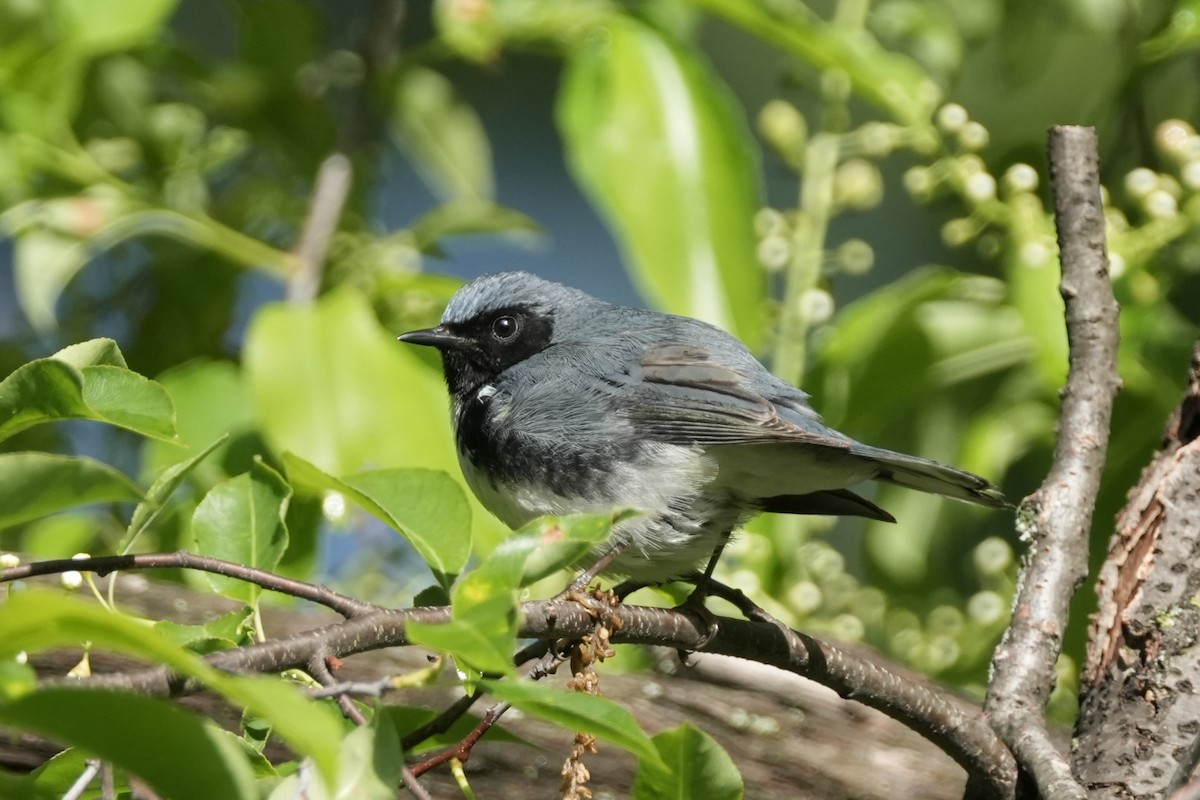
<point x="90" y="771"/>
<point x="318" y="667"/>
<point x="413" y="786"/>
<point x="462" y="750"/>
<point x="1057" y="518"/>
<point x="182" y="559"/>
<point x="330" y="191"/>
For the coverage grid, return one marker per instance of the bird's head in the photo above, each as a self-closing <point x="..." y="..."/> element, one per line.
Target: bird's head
<point x="496" y="321"/>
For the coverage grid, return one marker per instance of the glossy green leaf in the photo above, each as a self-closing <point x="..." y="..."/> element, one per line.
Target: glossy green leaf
<point x="598" y="716"/>
<point x="35" y="621"/>
<point x="33" y="485"/>
<point x="133" y="732"/>
<point x="482" y="631"/>
<point x="241" y="520"/>
<point x="92" y="353"/>
<point x="443" y="135"/>
<point x="425" y="506"/>
<point x="891" y="81"/>
<point x="158" y="495"/>
<point x="49" y="389"/>
<point x="662" y="150"/>
<point x="697" y="769"/>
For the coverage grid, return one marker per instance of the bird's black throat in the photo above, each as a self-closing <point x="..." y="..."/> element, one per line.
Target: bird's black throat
<point x="481" y="356"/>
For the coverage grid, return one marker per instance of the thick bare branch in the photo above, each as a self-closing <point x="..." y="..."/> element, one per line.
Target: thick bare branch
<point x="1056" y="519"/>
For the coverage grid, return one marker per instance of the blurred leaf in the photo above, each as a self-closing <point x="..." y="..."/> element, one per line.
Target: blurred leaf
<point x="102" y="26"/>
<point x="59" y="536"/>
<point x="33" y="485"/>
<point x="50" y="389"/>
<point x="443" y="136"/>
<point x="662" y="150"/>
<point x="44" y="262"/>
<point x="211" y="402"/>
<point x="598" y="716"/>
<point x="891" y="81"/>
<point x="241" y="520"/>
<point x="16" y="680"/>
<point x="134" y="732"/>
<point x="469" y="216"/>
<point x="219" y="633"/>
<point x="425" y="506"/>
<point x="35" y="621"/>
<point x="330" y="385"/>
<point x="370" y="763"/>
<point x="697" y="769"/>
<point x="158" y="495"/>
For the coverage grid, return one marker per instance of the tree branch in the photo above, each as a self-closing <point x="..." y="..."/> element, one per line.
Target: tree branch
<point x="1057" y="518"/>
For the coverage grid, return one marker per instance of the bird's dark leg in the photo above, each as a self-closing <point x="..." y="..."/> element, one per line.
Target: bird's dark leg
<point x="695" y="600"/>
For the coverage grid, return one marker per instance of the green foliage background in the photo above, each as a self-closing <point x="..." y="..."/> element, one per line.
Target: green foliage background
<point x="153" y="188"/>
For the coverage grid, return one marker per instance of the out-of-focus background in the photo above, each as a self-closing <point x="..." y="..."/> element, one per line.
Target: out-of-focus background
<point x="856" y="189"/>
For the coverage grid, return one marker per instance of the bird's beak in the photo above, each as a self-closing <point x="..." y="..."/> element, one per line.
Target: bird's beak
<point x="438" y="337"/>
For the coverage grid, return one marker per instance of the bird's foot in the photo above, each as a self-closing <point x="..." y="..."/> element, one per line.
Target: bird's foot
<point x="694" y="604"/>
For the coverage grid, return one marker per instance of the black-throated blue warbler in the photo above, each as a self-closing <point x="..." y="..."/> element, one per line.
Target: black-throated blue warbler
<point x="563" y="403"/>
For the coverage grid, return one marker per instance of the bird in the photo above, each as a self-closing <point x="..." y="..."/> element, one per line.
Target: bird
<point x="563" y="403"/>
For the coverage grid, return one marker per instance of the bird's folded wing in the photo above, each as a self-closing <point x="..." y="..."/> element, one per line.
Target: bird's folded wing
<point x="686" y="396"/>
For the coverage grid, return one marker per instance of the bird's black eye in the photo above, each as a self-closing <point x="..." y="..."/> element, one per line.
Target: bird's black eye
<point x="505" y="328"/>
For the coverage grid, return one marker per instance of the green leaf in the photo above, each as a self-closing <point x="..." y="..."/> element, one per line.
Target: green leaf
<point x="134" y="732"/>
<point x="57" y="775"/>
<point x="241" y="520"/>
<point x="425" y="506"/>
<point x="45" y="261"/>
<point x="35" y="621"/>
<point x="598" y="716"/>
<point x="160" y="492"/>
<point x="697" y="769"/>
<point x="462" y="217"/>
<point x="661" y="148"/>
<point x="550" y="544"/>
<point x="55" y="388"/>
<point x="211" y="401"/>
<point x="443" y="136"/>
<point x="33" y="485"/>
<point x="93" y="353"/>
<point x="59" y="536"/>
<point x="329" y="384"/>
<point x="16" y="680"/>
<point x="370" y="764"/>
<point x="891" y="81"/>
<point x="482" y="631"/>
<point x="105" y="26"/>
<point x="223" y="632"/>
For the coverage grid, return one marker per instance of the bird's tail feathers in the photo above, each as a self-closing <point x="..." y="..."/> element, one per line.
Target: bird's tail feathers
<point x="930" y="476"/>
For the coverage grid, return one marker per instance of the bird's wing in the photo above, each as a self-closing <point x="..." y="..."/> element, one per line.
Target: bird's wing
<point x="683" y="394"/>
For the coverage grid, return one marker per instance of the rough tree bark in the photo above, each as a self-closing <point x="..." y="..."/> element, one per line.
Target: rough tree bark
<point x="1138" y="733"/>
